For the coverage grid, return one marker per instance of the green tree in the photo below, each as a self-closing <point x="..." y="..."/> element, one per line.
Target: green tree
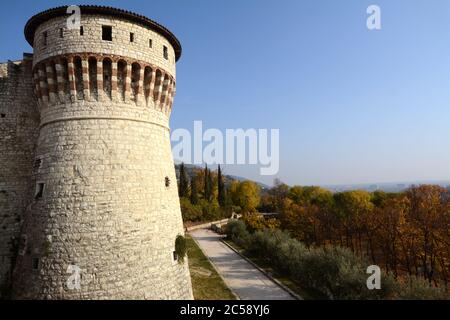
<point x="206" y="191"/>
<point x="379" y="197"/>
<point x="246" y="195"/>
<point x="208" y="185"/>
<point x="352" y="207"/>
<point x="307" y="195"/>
<point x="183" y="188"/>
<point x="278" y="193"/>
<point x="221" y="188"/>
<point x="194" y="191"/>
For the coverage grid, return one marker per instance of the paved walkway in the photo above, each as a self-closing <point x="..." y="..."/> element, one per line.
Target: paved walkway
<point x="239" y="275"/>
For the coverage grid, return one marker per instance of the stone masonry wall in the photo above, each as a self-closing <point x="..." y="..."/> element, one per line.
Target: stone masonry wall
<point x="73" y="42"/>
<point x="107" y="210"/>
<point x="19" y="122"/>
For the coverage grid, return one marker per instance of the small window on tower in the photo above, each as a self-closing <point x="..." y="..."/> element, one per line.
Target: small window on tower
<point x="81" y="31"/>
<point x="131" y="37"/>
<point x="44" y="38"/>
<point x="3" y="115"/>
<point x="37" y="164"/>
<point x="107" y="33"/>
<point x="35" y="263"/>
<point x="150" y="43"/>
<point x="166" y="52"/>
<point x="39" y="190"/>
<point x="175" y="256"/>
<point x="167" y="182"/>
<point x="61" y="32"/>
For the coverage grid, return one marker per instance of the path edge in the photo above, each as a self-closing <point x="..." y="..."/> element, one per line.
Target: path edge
<point x="276" y="281"/>
<point x="212" y="264"/>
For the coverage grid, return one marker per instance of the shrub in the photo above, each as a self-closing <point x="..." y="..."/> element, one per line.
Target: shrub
<point x="236" y="209"/>
<point x="210" y="210"/>
<point x="417" y="288"/>
<point x="256" y="221"/>
<point x="237" y="232"/>
<point x="203" y="211"/>
<point x="277" y="248"/>
<point x="290" y="255"/>
<point x="337" y="273"/>
<point x="180" y="247"/>
<point x="189" y="211"/>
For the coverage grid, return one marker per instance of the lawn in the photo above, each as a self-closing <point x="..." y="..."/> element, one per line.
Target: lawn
<point x="206" y="282"/>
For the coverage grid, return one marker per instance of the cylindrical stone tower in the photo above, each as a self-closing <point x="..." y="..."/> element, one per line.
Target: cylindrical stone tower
<point x="105" y="213"/>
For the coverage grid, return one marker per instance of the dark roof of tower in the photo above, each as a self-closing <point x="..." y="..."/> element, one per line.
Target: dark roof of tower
<point x="43" y="16"/>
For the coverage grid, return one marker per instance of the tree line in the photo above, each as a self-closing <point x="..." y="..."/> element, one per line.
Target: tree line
<point x="203" y="195"/>
<point x="207" y="195"/>
<point x="405" y="232"/>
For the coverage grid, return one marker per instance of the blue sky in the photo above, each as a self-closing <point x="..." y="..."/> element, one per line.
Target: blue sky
<point x="352" y="105"/>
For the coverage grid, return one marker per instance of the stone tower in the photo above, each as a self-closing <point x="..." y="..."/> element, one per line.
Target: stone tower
<point x="103" y="208"/>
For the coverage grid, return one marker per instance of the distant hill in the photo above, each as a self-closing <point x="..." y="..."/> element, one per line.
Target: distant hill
<point x="387" y="187"/>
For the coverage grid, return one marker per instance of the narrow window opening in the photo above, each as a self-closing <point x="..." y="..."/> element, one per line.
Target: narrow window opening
<point x="147" y="80"/>
<point x="107" y="71"/>
<point x="37" y="164"/>
<point x="135" y="76"/>
<point x="175" y="256"/>
<point x="92" y="69"/>
<point x="165" y="52"/>
<point x="3" y="115"/>
<point x="167" y="182"/>
<point x="61" y="32"/>
<point x="79" y="84"/>
<point x="121" y="75"/>
<point x="65" y="76"/>
<point x="44" y="37"/>
<point x="39" y="190"/>
<point x="81" y="31"/>
<point x="131" y="37"/>
<point x="107" y="33"/>
<point x="150" y="43"/>
<point x="35" y="263"/>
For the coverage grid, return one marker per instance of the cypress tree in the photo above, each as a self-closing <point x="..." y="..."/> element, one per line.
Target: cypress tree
<point x="183" y="190"/>
<point x="210" y="185"/>
<point x="207" y="184"/>
<point x="221" y="188"/>
<point x="194" y="192"/>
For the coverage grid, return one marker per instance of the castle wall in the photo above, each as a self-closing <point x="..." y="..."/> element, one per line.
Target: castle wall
<point x="106" y="192"/>
<point x="107" y="210"/>
<point x="91" y="40"/>
<point x="19" y="122"/>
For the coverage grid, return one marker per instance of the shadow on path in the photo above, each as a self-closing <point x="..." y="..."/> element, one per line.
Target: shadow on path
<point x="239" y="275"/>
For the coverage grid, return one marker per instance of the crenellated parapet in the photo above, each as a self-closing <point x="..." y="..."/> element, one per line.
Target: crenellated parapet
<point x="91" y="77"/>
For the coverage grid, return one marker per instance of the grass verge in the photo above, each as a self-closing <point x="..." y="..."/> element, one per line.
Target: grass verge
<point x="206" y="282"/>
